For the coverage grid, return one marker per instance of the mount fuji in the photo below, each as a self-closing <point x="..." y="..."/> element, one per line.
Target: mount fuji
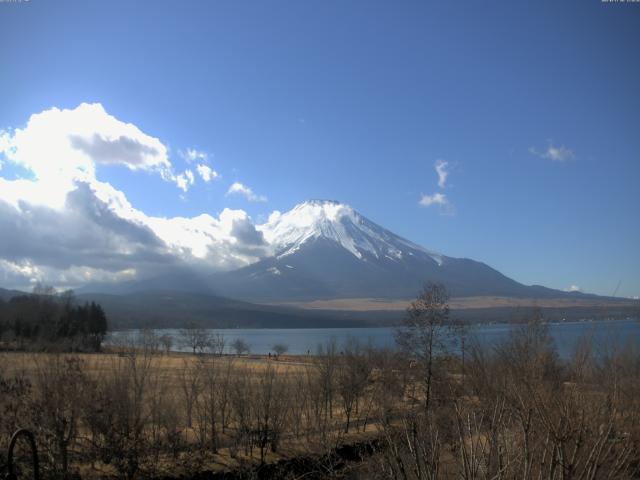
<point x="326" y="250"/>
<point x="327" y="265"/>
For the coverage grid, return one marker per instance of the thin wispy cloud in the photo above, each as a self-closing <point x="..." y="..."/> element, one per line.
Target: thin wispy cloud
<point x="439" y="199"/>
<point x="442" y="171"/>
<point x="206" y="172"/>
<point x="555" y="153"/>
<point x="238" y="188"/>
<point x="573" y="288"/>
<point x="193" y="155"/>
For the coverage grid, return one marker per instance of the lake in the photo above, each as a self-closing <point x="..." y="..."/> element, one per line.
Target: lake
<point x="300" y="341"/>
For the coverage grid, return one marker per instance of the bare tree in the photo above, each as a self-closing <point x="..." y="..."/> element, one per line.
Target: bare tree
<point x="270" y="409"/>
<point x="299" y="407"/>
<point x="216" y="344"/>
<point x="190" y="384"/>
<point x="315" y="415"/>
<point x="148" y="340"/>
<point x="240" y="393"/>
<point x="280" y="348"/>
<point x="212" y="384"/>
<point x="166" y="341"/>
<point x="240" y="346"/>
<point x="222" y="399"/>
<point x="426" y="332"/>
<point x="195" y="338"/>
<point x="353" y="377"/>
<point x="59" y="383"/>
<point x="411" y="450"/>
<point x="116" y="412"/>
<point x="327" y="369"/>
<point x="16" y="391"/>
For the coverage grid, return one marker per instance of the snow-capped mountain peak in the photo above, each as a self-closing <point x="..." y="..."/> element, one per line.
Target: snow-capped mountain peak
<point x="337" y="222"/>
<point x="327" y="250"/>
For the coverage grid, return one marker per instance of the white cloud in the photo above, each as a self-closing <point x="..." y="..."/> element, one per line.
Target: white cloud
<point x="206" y="172"/>
<point x="214" y="240"/>
<point x="192" y="155"/>
<point x="62" y="144"/>
<point x="100" y="232"/>
<point x="435" y="199"/>
<point x="190" y="177"/>
<point x="554" y="153"/>
<point x="238" y="188"/>
<point x="185" y="180"/>
<point x="440" y="200"/>
<point x="25" y="273"/>
<point x="59" y="147"/>
<point x="441" y="168"/>
<point x="64" y="226"/>
<point x="574" y="288"/>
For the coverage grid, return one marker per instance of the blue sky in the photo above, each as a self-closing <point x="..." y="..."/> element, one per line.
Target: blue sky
<point x="535" y="107"/>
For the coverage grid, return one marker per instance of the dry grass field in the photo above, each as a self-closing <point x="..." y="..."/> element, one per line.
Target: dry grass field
<point x="457" y="303"/>
<point x="225" y="411"/>
<point x="512" y="411"/>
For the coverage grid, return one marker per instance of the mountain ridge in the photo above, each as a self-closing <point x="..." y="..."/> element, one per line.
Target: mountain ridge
<point x="325" y="249"/>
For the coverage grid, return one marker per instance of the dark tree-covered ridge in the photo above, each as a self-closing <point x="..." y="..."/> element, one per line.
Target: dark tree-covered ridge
<point x="45" y="318"/>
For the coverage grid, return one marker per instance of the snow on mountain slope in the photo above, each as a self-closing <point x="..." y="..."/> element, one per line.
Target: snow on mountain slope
<point x="325" y="249"/>
<point x="330" y="220"/>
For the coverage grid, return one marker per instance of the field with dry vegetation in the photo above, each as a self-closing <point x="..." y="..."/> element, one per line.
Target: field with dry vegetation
<point x="506" y="411"/>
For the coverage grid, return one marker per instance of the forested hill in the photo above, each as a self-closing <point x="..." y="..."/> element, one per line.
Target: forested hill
<point x="43" y="320"/>
<point x="175" y="309"/>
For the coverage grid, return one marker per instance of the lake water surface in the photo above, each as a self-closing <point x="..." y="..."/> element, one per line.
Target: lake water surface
<point x="604" y="334"/>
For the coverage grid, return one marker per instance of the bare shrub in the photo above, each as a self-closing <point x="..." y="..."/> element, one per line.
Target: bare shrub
<point x="260" y="409"/>
<point x="353" y="378"/>
<point x="15" y="411"/>
<point x="280" y="348"/>
<point x="212" y="383"/>
<point x="216" y="344"/>
<point x="195" y="338"/>
<point x="240" y="346"/>
<point x="190" y="386"/>
<point x="410" y="450"/>
<point x="59" y="382"/>
<point x="538" y="417"/>
<point x="327" y="364"/>
<point x="117" y="415"/>
<point x="166" y="341"/>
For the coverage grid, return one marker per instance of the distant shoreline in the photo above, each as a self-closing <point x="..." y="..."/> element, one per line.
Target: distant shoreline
<point x="457" y="303"/>
<point x="383" y="327"/>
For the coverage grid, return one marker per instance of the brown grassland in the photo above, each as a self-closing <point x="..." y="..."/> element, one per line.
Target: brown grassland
<point x="177" y="413"/>
<point x="459" y="303"/>
<point x="512" y="410"/>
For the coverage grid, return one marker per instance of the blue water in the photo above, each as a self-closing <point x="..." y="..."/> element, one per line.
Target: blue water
<point x="605" y="334"/>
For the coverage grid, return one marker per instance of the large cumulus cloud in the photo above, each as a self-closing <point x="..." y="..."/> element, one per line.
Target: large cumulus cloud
<point x="59" y="145"/>
<point x="63" y="225"/>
